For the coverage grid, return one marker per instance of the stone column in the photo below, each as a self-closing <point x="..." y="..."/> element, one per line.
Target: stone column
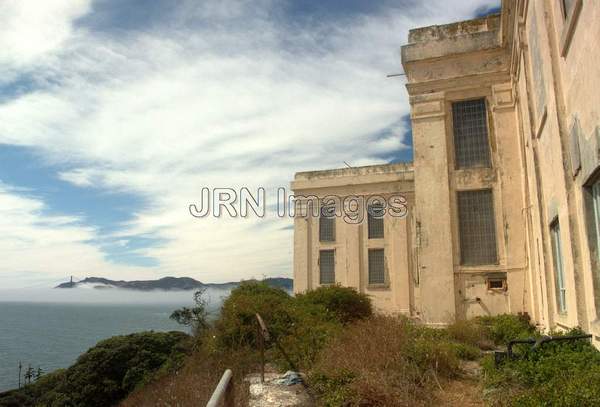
<point x="433" y="209"/>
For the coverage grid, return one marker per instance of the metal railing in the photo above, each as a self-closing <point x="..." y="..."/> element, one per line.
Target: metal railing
<point x="536" y="343"/>
<point x="224" y="394"/>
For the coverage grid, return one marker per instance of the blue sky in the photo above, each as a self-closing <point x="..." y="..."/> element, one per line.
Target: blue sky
<point x="114" y="115"/>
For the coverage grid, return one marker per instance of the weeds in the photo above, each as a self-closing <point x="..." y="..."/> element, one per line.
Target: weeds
<point x="556" y="374"/>
<point x="383" y="361"/>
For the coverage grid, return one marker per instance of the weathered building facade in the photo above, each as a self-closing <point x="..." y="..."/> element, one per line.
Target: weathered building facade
<point x="503" y="196"/>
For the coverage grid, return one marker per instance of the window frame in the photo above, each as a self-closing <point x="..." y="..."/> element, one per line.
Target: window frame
<point x="592" y="221"/>
<point x="558" y="265"/>
<point x="502" y="280"/>
<point x="462" y="233"/>
<point x="488" y="158"/>
<point x="372" y="218"/>
<point x="383" y="281"/>
<point x="324" y="219"/>
<point x="321" y="280"/>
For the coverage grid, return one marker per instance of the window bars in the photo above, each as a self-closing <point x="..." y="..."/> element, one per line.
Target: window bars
<point x="327" y="267"/>
<point x="471" y="143"/>
<point x="376" y="266"/>
<point x="477" y="227"/>
<point x="327" y="224"/>
<point x="375" y="221"/>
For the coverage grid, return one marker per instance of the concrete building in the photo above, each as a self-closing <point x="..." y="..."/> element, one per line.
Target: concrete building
<point x="503" y="197"/>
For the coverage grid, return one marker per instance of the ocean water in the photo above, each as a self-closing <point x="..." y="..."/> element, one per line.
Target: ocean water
<point x="52" y="333"/>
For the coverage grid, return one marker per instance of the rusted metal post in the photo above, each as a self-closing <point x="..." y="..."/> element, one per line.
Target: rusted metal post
<point x="261" y="345"/>
<point x="263" y="335"/>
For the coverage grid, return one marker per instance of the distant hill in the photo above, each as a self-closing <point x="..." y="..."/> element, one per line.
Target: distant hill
<point x="167" y="284"/>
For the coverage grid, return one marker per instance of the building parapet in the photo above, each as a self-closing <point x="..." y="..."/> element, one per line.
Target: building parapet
<point x="438" y="41"/>
<point x="370" y="174"/>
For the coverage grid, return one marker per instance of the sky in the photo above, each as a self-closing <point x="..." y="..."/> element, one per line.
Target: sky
<point x="114" y="114"/>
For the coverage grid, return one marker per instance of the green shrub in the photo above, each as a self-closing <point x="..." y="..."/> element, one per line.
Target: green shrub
<point x="334" y="388"/>
<point x="236" y="326"/>
<point x="302" y="325"/>
<point x="556" y="374"/>
<point x="486" y="332"/>
<point x="503" y="328"/>
<point x="105" y="374"/>
<point x="345" y="303"/>
<point x="471" y="332"/>
<point x="466" y="352"/>
<point x="311" y="328"/>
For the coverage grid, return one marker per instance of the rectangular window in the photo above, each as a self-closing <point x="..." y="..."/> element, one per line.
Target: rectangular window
<point x="559" y="272"/>
<point x="595" y="190"/>
<point x="327" y="224"/>
<point x="593" y="220"/>
<point x="376" y="266"/>
<point x="327" y="267"/>
<point x="496" y="284"/>
<point x="477" y="227"/>
<point x="375" y="221"/>
<point x="471" y="143"/>
<point x="566" y="7"/>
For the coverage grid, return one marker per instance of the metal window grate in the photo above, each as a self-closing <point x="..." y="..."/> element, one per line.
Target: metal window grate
<point x="471" y="144"/>
<point x="477" y="227"/>
<point x="327" y="225"/>
<point x="376" y="266"/>
<point x="327" y="266"/>
<point x="561" y="292"/>
<point x="375" y="221"/>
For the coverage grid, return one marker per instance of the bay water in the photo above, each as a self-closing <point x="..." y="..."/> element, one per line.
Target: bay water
<point x="52" y="332"/>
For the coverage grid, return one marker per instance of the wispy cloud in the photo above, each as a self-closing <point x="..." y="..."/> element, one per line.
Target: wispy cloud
<point x="212" y="94"/>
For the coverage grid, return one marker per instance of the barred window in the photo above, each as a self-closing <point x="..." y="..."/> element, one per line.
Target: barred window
<point x="559" y="271"/>
<point x="376" y="266"/>
<point x="327" y="267"/>
<point x="327" y="224"/>
<point x="477" y="227"/>
<point x="471" y="144"/>
<point x="375" y="221"/>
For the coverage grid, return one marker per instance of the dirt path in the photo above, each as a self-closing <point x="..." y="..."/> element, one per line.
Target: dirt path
<point x="269" y="393"/>
<point x="464" y="391"/>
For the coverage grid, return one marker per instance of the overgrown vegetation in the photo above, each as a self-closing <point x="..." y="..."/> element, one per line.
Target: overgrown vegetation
<point x="195" y="317"/>
<point x="488" y="332"/>
<point x="556" y="374"/>
<point x="384" y="361"/>
<point x="106" y="373"/>
<point x="351" y="358"/>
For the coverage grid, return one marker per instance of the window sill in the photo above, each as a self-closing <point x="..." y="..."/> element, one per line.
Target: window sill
<point x="569" y="27"/>
<point x="384" y="286"/>
<point x="502" y="291"/>
<point x="481" y="268"/>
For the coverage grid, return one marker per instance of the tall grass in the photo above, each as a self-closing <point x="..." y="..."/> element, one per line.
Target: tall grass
<point x="384" y="361"/>
<point x="194" y="383"/>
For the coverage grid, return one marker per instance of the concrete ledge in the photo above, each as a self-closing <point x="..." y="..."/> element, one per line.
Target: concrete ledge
<point x="371" y="174"/>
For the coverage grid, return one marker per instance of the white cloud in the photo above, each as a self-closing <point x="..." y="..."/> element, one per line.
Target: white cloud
<point x="35" y="243"/>
<point x="33" y="28"/>
<point x="244" y="100"/>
